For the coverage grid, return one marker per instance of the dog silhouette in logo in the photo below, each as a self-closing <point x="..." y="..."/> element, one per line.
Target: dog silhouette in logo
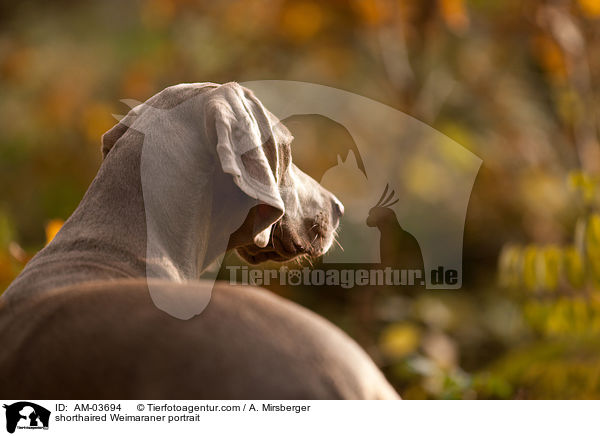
<point x="310" y="132"/>
<point x="24" y="410"/>
<point x="398" y="248"/>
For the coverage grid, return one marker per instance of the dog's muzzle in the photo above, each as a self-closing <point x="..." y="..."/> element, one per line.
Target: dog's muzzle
<point x="292" y="238"/>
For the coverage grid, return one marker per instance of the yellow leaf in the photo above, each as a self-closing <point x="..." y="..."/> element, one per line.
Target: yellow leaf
<point x="509" y="265"/>
<point x="558" y="320"/>
<point x="582" y="183"/>
<point x="551" y="267"/>
<point x="574" y="267"/>
<point x="530" y="267"/>
<point x="52" y="228"/>
<point x="398" y="340"/>
<point x="592" y="245"/>
<point x="590" y="8"/>
<point x="580" y="315"/>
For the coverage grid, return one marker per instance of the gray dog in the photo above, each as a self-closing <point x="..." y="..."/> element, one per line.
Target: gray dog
<point x="196" y="170"/>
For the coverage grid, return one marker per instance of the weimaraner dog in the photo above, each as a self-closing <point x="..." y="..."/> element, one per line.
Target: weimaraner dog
<point x="196" y="170"/>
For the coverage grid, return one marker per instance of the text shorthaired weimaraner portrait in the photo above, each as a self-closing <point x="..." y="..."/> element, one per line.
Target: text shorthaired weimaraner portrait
<point x="196" y="170"/>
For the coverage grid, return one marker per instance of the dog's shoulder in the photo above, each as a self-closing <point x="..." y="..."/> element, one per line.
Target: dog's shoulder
<point x="114" y="334"/>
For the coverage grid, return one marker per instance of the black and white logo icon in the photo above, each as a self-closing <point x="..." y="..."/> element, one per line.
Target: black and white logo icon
<point x="26" y="415"/>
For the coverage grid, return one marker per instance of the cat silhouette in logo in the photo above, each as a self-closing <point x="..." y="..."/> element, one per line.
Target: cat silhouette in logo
<point x="30" y="412"/>
<point x="398" y="248"/>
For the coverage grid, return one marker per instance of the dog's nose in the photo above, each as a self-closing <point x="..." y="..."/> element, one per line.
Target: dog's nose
<point x="337" y="207"/>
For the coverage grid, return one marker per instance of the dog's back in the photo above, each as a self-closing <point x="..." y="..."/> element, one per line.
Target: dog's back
<point x="108" y="340"/>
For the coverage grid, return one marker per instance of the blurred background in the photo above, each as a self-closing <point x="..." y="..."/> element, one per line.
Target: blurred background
<point x="516" y="83"/>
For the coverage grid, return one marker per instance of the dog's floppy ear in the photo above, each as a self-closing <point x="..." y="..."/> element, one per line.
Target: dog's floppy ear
<point x="247" y="149"/>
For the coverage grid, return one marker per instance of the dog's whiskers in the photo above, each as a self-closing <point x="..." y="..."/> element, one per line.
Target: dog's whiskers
<point x="338" y="244"/>
<point x="314" y="239"/>
<point x="299" y="260"/>
<point x="308" y="259"/>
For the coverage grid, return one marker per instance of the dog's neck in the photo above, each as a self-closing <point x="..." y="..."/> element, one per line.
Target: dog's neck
<point x="124" y="228"/>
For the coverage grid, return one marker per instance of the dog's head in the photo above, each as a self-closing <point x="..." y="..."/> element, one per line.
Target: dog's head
<point x="283" y="212"/>
<point x="311" y="214"/>
<point x="308" y="225"/>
